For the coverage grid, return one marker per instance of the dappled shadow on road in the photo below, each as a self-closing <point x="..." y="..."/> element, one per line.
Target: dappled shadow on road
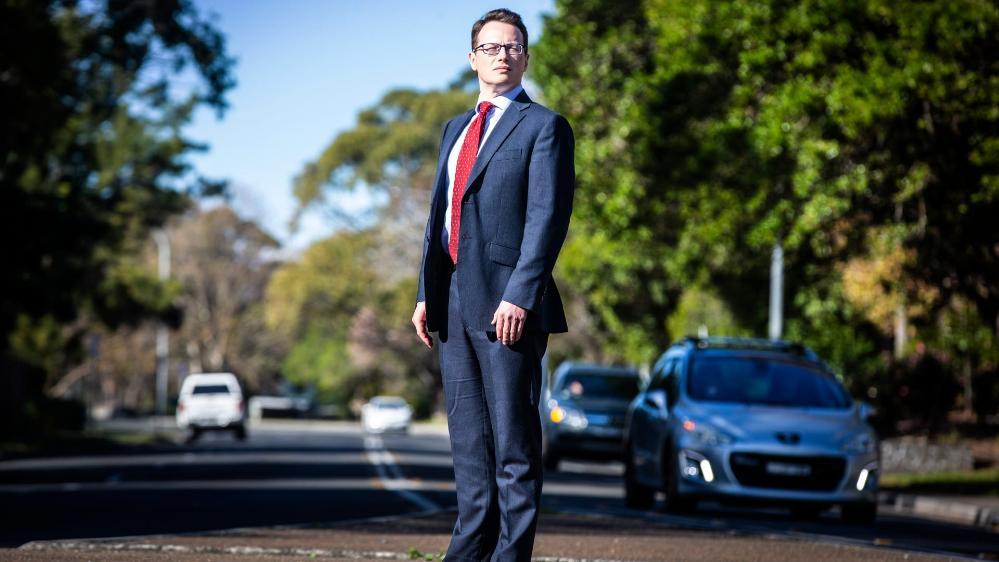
<point x="219" y="483"/>
<point x="549" y="522"/>
<point x="104" y="514"/>
<point x="889" y="531"/>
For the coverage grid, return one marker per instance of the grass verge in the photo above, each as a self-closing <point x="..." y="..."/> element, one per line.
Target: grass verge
<point x="983" y="482"/>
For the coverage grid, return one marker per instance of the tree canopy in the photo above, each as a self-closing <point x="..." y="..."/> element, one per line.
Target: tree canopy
<point x="710" y="131"/>
<point x="93" y="150"/>
<point x="861" y="136"/>
<point x="93" y="157"/>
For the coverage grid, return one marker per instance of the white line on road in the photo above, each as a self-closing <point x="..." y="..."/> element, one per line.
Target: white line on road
<point x="391" y="475"/>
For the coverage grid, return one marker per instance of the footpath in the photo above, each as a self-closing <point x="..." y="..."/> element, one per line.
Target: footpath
<point x="562" y="537"/>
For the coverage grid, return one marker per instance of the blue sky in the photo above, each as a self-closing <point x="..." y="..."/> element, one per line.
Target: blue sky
<point x="305" y="68"/>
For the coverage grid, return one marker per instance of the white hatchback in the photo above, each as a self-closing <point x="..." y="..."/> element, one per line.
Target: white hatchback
<point x="211" y="401"/>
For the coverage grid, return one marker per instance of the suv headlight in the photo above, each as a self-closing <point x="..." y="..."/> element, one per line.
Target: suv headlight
<point x="860" y="443"/>
<point x="705" y="434"/>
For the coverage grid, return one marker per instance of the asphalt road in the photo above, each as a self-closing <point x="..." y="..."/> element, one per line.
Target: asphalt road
<point x="289" y="474"/>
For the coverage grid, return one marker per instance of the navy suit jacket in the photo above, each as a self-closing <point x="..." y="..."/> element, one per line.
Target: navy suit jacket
<point x="514" y="218"/>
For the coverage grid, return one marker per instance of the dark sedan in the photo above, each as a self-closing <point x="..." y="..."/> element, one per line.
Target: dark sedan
<point x="583" y="412"/>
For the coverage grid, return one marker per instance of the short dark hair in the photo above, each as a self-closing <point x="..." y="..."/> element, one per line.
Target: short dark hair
<point x="501" y="15"/>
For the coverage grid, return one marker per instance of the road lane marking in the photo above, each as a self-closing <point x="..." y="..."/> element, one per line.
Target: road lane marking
<point x="391" y="475"/>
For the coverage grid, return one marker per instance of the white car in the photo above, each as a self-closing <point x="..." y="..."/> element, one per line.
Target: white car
<point x="211" y="401"/>
<point x="386" y="413"/>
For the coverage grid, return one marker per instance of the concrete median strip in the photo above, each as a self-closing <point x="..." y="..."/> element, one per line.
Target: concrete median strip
<point x="942" y="509"/>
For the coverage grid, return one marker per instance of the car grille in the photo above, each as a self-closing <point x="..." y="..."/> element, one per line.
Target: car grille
<point x="787" y="472"/>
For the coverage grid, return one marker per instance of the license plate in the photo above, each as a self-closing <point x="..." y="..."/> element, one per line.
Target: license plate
<point x="598" y="419"/>
<point x="788" y="469"/>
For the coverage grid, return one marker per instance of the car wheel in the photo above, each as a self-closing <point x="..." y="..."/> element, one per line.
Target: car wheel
<point x="636" y="495"/>
<point x="193" y="434"/>
<point x="860" y="513"/>
<point x="241" y="432"/>
<point x="549" y="457"/>
<point x="675" y="503"/>
<point x="550" y="460"/>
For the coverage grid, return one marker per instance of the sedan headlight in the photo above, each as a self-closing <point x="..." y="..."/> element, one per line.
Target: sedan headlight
<point x="568" y="417"/>
<point x="860" y="443"/>
<point x="705" y="434"/>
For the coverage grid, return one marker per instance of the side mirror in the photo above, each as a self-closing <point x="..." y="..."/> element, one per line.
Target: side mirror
<point x="656" y="399"/>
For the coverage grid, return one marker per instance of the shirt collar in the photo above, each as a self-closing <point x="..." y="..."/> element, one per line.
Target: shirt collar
<point x="502" y="101"/>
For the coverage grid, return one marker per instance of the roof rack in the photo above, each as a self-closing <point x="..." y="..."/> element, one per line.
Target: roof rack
<point x="717" y="342"/>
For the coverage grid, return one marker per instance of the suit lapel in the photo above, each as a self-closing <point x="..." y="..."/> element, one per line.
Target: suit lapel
<point x="507" y="123"/>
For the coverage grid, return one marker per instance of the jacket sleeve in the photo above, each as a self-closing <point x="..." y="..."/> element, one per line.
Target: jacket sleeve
<point x="550" y="189"/>
<point x="421" y="295"/>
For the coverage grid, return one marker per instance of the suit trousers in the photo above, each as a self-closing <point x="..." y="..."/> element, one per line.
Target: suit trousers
<point x="491" y="393"/>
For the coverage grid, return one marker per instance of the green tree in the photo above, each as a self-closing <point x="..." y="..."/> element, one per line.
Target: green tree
<point x="707" y="132"/>
<point x="93" y="158"/>
<point x="347" y="303"/>
<point x="348" y="324"/>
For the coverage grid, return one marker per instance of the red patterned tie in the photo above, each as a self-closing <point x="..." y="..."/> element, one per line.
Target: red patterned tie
<point x="466" y="159"/>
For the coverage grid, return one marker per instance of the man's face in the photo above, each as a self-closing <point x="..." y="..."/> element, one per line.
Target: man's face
<point x="502" y="69"/>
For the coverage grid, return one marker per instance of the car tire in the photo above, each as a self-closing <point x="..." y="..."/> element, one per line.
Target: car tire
<point x="240" y="431"/>
<point x="636" y="495"/>
<point x="860" y="513"/>
<point x="674" y="502"/>
<point x="549" y="458"/>
<point x="193" y="434"/>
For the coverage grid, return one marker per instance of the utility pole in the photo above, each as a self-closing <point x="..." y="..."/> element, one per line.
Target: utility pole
<point x="776" y="292"/>
<point x="162" y="335"/>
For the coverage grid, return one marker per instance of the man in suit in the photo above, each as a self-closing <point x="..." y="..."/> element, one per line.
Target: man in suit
<point x="499" y="213"/>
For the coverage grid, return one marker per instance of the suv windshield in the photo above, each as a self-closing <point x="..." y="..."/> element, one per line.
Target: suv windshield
<point x="210" y="389"/>
<point x="764" y="380"/>
<point x="597" y="385"/>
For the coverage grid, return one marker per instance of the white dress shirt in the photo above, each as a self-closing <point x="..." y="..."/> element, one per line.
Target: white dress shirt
<point x="500" y="104"/>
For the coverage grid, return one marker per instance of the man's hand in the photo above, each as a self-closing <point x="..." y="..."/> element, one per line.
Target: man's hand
<point x="420" y="321"/>
<point x="509" y="320"/>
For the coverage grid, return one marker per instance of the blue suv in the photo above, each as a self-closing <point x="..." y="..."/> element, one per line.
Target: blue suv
<point x="734" y="419"/>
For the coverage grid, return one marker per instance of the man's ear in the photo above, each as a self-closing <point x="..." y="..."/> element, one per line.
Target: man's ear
<point x="471" y="60"/>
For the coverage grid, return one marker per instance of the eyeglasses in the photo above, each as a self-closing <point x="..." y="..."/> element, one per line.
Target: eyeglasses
<point x="493" y="49"/>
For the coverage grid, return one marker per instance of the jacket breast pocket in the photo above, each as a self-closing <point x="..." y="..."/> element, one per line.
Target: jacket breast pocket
<point x="503" y="254"/>
<point x="511" y="154"/>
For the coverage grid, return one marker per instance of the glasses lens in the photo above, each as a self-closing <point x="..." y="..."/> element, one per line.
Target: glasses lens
<point x="493" y="49"/>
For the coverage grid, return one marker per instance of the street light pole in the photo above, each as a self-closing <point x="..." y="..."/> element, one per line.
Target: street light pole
<point x="776" y="292"/>
<point x="162" y="335"/>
